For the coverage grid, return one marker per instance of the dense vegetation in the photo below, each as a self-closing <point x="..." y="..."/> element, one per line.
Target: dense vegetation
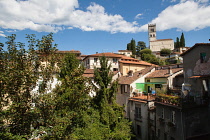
<point x="30" y="109"/>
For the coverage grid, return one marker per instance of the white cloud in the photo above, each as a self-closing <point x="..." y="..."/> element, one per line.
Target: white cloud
<point x="56" y="15"/>
<point x="188" y="15"/>
<point x="138" y="16"/>
<point x="2" y="34"/>
<point x="52" y="15"/>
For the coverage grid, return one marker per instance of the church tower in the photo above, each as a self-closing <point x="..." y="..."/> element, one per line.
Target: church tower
<point x="152" y="32"/>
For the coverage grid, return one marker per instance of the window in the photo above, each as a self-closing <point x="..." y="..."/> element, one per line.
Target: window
<point x="172" y="138"/>
<point x="202" y="57"/>
<point x="126" y="70"/>
<point x="165" y="136"/>
<point x="138" y="129"/>
<point x="158" y="133"/>
<point x="158" y="86"/>
<point x="173" y="117"/>
<point x="115" y="69"/>
<point x="88" y="61"/>
<point x="125" y="88"/>
<point x="114" y="60"/>
<point x="95" y="60"/>
<point x="152" y="30"/>
<point x="162" y="113"/>
<point x="138" y="112"/>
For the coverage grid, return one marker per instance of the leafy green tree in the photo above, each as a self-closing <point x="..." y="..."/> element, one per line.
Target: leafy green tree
<point x="71" y="102"/>
<point x="182" y="40"/>
<point x="20" y="70"/>
<point x="145" y="51"/>
<point x="111" y="115"/>
<point x="140" y="46"/>
<point x="165" y="52"/>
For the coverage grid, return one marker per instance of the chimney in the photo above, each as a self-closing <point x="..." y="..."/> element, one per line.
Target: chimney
<point x="130" y="73"/>
<point x="169" y="70"/>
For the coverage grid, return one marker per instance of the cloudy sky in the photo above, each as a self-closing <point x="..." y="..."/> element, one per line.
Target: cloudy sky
<point x="105" y="25"/>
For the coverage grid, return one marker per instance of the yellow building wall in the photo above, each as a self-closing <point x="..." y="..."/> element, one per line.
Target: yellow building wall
<point x="125" y="68"/>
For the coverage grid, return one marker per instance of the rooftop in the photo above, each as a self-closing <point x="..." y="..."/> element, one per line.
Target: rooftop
<point x="163" y="73"/>
<point x="196" y="45"/>
<point x="142" y="98"/>
<point x="136" y="75"/>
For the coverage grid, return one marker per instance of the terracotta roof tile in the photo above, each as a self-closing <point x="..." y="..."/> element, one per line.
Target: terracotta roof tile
<point x="124" y="51"/>
<point x="143" y="97"/>
<point x="161" y="40"/>
<point x="108" y="54"/>
<point x="89" y="73"/>
<point x="128" y="80"/>
<point x="163" y="73"/>
<point x="196" y="45"/>
<point x="137" y="63"/>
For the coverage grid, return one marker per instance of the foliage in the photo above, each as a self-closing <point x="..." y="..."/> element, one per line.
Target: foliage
<point x="140" y="46"/>
<point x="177" y="43"/>
<point x="111" y="115"/>
<point x="182" y="40"/>
<point x="20" y="70"/>
<point x="145" y="51"/>
<point x="165" y="52"/>
<point x="132" y="46"/>
<point x="68" y="103"/>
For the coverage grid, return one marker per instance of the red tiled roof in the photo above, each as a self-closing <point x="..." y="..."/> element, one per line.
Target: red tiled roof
<point x="200" y="76"/>
<point x="124" y="51"/>
<point x="163" y="73"/>
<point x="128" y="80"/>
<point x="161" y="40"/>
<point x="143" y="97"/>
<point x="108" y="54"/>
<point x="137" y="63"/>
<point x="197" y="44"/>
<point x="71" y="51"/>
<point x="89" y="73"/>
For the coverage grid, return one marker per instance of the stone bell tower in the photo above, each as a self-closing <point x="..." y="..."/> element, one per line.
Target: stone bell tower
<point x="152" y="32"/>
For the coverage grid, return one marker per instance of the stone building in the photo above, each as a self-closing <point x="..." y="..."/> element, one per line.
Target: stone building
<point x="155" y="45"/>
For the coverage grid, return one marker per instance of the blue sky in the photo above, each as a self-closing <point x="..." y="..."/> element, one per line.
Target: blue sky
<point x="92" y="26"/>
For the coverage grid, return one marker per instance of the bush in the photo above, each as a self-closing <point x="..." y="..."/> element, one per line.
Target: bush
<point x="165" y="52"/>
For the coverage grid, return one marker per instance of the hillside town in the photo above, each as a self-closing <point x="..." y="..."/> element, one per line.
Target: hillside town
<point x="162" y="102"/>
<point x="169" y="102"/>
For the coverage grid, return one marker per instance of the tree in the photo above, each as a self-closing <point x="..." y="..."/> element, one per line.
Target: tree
<point x="129" y="46"/>
<point x="141" y="45"/>
<point x="145" y="51"/>
<point x="165" y="52"/>
<point x="111" y="114"/>
<point x="70" y="102"/>
<point x="146" y="55"/>
<point x="182" y="40"/>
<point x="177" y="43"/>
<point x="132" y="46"/>
<point x="20" y="70"/>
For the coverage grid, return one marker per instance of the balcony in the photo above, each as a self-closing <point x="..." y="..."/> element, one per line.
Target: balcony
<point x="168" y="99"/>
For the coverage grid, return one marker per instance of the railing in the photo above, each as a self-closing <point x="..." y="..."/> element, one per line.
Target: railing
<point x="184" y="102"/>
<point x="169" y="99"/>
